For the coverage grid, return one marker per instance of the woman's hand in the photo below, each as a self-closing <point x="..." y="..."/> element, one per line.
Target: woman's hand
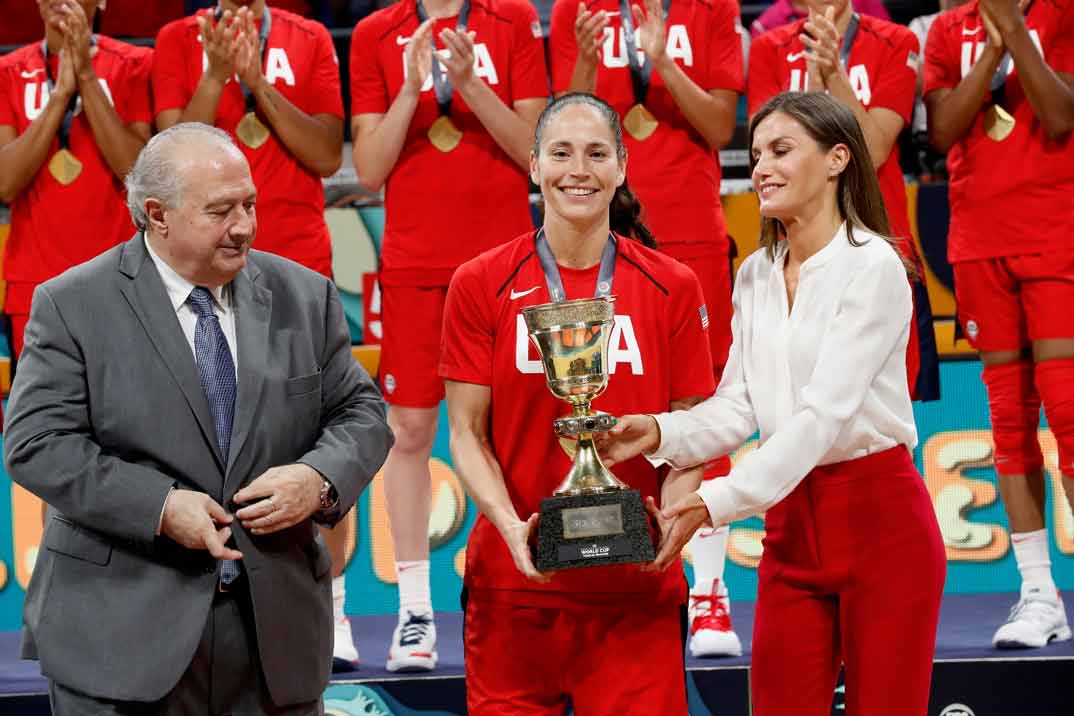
<point x="677" y="525"/>
<point x="589" y="33"/>
<point x="633" y="435"/>
<point x="419" y="56"/>
<point x="517" y="537"/>
<point x="652" y="31"/>
<point x="822" y="40"/>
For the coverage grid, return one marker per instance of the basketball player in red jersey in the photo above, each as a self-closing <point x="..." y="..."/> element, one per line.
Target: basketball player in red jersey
<point x="448" y="138"/>
<point x="870" y="65"/>
<point x="998" y="78"/>
<point x="535" y="640"/>
<point x="270" y="78"/>
<point x="675" y="84"/>
<point x="74" y="113"/>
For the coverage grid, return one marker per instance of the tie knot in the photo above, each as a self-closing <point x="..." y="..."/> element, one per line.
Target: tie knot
<point x="201" y="301"/>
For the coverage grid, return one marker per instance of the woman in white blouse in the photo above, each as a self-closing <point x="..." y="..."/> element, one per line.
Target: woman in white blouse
<point x="853" y="564"/>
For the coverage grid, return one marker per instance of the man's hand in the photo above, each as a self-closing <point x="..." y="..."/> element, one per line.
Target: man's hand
<point x="517" y="537"/>
<point x="589" y="33"/>
<point x="216" y="40"/>
<point x="651" y="30"/>
<point x="633" y="435"/>
<point x="281" y="497"/>
<point x="194" y="520"/>
<point x="822" y="41"/>
<point x="677" y="525"/>
<point x="458" y="56"/>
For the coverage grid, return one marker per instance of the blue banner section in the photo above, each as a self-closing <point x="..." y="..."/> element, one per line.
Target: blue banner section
<point x="953" y="455"/>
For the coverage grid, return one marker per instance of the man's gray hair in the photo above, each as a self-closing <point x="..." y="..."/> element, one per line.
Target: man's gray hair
<point x="154" y="173"/>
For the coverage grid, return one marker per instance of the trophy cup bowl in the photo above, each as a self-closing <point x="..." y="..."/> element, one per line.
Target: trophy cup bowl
<point x="593" y="518"/>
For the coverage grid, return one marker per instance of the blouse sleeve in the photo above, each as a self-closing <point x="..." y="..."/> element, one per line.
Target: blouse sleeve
<point x="872" y="322"/>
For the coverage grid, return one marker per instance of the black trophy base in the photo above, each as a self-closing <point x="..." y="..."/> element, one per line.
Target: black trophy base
<point x="593" y="530"/>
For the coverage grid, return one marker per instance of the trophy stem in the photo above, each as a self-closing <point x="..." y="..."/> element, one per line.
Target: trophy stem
<point x="588" y="476"/>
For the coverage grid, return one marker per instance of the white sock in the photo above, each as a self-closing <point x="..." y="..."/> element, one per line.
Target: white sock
<point x="1034" y="563"/>
<point x="414" y="593"/>
<point x="708" y="547"/>
<point x="339" y="595"/>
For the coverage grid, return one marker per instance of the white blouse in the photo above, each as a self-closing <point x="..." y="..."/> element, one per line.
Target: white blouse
<point x="824" y="382"/>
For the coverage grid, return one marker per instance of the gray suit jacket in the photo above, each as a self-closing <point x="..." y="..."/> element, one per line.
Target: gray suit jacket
<point x="107" y="414"/>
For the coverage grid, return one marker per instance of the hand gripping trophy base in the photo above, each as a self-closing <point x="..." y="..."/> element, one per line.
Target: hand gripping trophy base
<point x="593" y="518"/>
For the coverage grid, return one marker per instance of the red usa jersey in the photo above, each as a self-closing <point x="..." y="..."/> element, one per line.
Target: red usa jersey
<point x="674" y="172"/>
<point x="444" y="208"/>
<point x="300" y="62"/>
<point x="44" y="241"/>
<point x="1011" y="197"/>
<point x="882" y="69"/>
<point x="658" y="353"/>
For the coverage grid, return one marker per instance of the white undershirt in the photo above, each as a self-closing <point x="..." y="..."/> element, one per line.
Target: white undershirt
<point x="824" y="383"/>
<point x="178" y="289"/>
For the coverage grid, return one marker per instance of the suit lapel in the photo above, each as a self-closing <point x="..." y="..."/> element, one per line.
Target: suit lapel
<point x="147" y="298"/>
<point x="253" y="309"/>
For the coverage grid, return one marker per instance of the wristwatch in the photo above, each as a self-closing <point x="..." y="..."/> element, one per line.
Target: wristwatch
<point x="329" y="496"/>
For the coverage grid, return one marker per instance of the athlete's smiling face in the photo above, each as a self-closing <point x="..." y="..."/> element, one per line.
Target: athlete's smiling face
<point x="578" y="167"/>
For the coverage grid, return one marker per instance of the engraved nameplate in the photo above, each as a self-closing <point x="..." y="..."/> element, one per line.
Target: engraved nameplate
<point x="592" y="521"/>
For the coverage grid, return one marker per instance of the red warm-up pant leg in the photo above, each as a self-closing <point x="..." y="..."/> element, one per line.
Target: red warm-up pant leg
<point x="852" y="573"/>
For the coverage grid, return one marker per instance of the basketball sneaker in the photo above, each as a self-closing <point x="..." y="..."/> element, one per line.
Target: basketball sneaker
<point x="344" y="652"/>
<point x="1035" y="620"/>
<point x="413" y="643"/>
<point x="710" y="624"/>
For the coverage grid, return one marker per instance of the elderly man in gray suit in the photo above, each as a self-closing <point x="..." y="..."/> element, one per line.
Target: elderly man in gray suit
<point x="188" y="408"/>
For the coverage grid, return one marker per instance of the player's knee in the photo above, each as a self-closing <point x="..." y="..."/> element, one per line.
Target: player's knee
<point x="414" y="429"/>
<point x="1055" y="382"/>
<point x="1015" y="410"/>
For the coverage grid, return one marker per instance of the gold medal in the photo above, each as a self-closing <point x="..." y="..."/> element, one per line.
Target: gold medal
<point x="444" y="135"/>
<point x="998" y="123"/>
<point x="251" y="131"/>
<point x="640" y="122"/>
<point x="64" y="166"/>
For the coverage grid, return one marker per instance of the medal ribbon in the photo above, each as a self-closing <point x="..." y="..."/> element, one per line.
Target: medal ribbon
<point x="848" y="39"/>
<point x="441" y="84"/>
<point x="640" y="71"/>
<point x="64" y="132"/>
<point x="554" y="282"/>
<point x="262" y="36"/>
<point x="999" y="78"/>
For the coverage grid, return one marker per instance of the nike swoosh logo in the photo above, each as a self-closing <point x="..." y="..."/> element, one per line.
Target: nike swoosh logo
<point x="974" y="31"/>
<point x="400" y="40"/>
<point x="520" y="294"/>
<point x="31" y="73"/>
<point x="795" y="56"/>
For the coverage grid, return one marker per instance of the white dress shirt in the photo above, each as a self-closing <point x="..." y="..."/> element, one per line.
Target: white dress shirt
<point x="179" y="289"/>
<point x="824" y="382"/>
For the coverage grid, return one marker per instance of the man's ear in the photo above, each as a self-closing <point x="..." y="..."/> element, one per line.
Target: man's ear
<point x="535" y="176"/>
<point x="154" y="212"/>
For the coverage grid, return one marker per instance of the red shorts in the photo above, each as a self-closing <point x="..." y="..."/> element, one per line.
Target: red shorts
<point x="1005" y="303"/>
<point x="412" y="319"/>
<point x="713" y="270"/>
<point x="609" y="661"/>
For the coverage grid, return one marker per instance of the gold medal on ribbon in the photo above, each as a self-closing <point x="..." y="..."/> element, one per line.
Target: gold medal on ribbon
<point x="64" y="166"/>
<point x="998" y="123"/>
<point x="444" y="135"/>
<point x="251" y="131"/>
<point x="640" y="122"/>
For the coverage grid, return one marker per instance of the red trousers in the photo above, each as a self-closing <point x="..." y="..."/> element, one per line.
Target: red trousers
<point x="852" y="573"/>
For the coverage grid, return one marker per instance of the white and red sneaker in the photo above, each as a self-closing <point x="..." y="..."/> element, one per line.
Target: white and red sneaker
<point x="710" y="624"/>
<point x="413" y="643"/>
<point x="344" y="652"/>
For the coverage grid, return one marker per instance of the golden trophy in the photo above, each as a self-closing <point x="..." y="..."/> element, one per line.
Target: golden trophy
<point x="593" y="518"/>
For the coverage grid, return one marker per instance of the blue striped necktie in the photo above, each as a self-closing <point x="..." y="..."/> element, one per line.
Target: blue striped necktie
<point x="217" y="371"/>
